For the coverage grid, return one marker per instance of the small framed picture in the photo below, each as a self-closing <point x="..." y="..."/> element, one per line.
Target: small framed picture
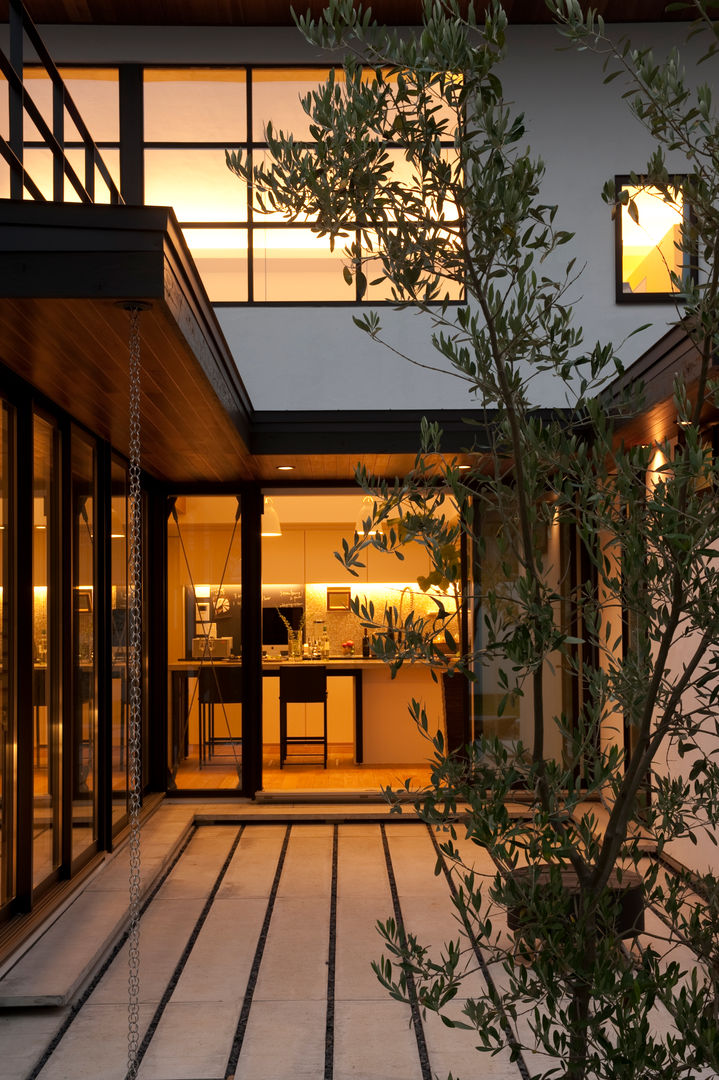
<point x="338" y="599"/>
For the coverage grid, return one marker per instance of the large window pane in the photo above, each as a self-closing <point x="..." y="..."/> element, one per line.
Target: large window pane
<point x="94" y="91"/>
<point x="221" y="257"/>
<point x="39" y="164"/>
<point x="46" y="714"/>
<point x="295" y="264"/>
<point x="204" y="602"/>
<point x="196" y="183"/>
<point x="276" y="96"/>
<point x="195" y="105"/>
<point x="7" y="710"/>
<point x="84" y="697"/>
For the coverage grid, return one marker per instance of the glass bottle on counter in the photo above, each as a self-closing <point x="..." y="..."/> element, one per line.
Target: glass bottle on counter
<point x="325" y="643"/>
<point x="365" y="645"/>
<point x="316" y="647"/>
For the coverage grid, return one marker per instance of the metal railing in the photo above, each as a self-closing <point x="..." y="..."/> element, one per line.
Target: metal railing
<point x="20" y="102"/>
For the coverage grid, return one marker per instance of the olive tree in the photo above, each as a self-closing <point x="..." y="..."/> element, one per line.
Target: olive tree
<point x="462" y="234"/>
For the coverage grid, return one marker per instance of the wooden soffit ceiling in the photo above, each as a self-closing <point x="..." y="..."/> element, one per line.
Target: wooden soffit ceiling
<point x="277" y="12"/>
<point x="66" y="275"/>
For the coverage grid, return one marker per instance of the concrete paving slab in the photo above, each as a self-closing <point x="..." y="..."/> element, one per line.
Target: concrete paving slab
<point x="285" y="1042"/>
<point x="252" y="870"/>
<point x="23" y="1035"/>
<point x="454" y="1050"/>
<point x="374" y="1040"/>
<point x="361" y="865"/>
<point x="413" y="860"/>
<point x="60" y="962"/>
<point x="219" y="965"/>
<point x="164" y="931"/>
<point x="358" y="944"/>
<point x="307" y="869"/>
<point x="95" y="1045"/>
<point x="294" y="964"/>
<point x="172" y="1055"/>
<point x="197" y="870"/>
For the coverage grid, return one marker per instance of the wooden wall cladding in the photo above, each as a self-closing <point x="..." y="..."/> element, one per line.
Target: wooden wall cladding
<point x="75" y="352"/>
<point x="277" y="12"/>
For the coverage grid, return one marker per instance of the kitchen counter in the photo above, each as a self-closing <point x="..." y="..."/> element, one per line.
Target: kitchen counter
<point x="381" y="728"/>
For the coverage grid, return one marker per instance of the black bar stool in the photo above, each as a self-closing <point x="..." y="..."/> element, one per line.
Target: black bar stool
<point x="216" y="686"/>
<point x="298" y="685"/>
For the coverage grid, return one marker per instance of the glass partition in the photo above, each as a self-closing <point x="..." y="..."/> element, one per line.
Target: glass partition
<point x="204" y="639"/>
<point x="503" y="709"/>
<point x="119" y="642"/>
<point x="84" y="694"/>
<point x="46" y="713"/>
<point x="7" y="711"/>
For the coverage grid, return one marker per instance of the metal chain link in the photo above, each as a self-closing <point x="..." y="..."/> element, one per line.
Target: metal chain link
<point x="134" y="738"/>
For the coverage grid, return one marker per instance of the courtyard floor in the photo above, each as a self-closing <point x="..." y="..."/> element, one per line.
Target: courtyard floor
<point x="257" y="935"/>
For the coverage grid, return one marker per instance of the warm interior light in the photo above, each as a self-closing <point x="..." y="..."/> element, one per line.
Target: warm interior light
<point x="285" y="468"/>
<point x="270" y="520"/>
<point x="649" y="248"/>
<point x="463" y="467"/>
<point x="366" y="511"/>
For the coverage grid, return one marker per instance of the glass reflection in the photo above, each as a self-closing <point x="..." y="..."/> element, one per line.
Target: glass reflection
<point x="119" y="642"/>
<point x="7" y="715"/>
<point x="84" y="696"/>
<point x="46" y="714"/>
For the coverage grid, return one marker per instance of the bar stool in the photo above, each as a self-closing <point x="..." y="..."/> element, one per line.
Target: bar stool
<point x="298" y="685"/>
<point x="216" y="686"/>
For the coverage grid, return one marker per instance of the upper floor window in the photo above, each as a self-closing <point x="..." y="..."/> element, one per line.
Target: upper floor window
<point x="191" y="116"/>
<point x="650" y="264"/>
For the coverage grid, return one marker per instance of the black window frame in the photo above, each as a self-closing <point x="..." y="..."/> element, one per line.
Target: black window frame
<point x="691" y="268"/>
<point x="249" y="224"/>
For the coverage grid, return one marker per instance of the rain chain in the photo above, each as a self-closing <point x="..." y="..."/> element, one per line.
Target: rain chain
<point x="135" y="695"/>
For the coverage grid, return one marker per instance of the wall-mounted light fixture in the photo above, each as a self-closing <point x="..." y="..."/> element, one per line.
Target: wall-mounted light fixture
<point x="270" y="519"/>
<point x="365" y="514"/>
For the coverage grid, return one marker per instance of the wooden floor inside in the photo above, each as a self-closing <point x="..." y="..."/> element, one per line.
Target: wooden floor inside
<point x="305" y="774"/>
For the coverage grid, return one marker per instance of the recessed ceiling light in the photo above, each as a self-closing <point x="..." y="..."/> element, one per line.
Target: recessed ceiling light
<point x="464" y="466"/>
<point x="285" y="468"/>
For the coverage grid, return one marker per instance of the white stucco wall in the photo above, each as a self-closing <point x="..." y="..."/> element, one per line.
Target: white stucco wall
<point x="314" y="358"/>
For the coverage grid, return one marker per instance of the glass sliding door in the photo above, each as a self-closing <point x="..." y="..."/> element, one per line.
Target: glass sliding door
<point x="204" y="602"/>
<point x="119" y="642"/>
<point x="502" y="702"/>
<point x="7" y="709"/>
<point x="84" y="666"/>
<point x="46" y="714"/>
